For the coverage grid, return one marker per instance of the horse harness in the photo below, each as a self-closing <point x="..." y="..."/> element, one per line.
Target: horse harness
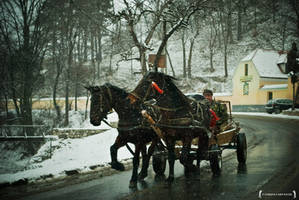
<point x="190" y="121"/>
<point x="125" y="128"/>
<point x="148" y="91"/>
<point x="172" y="123"/>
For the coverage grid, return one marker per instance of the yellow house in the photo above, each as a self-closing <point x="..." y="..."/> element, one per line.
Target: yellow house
<point x="260" y="76"/>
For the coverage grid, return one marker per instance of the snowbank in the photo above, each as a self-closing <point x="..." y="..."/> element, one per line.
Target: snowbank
<point x="268" y="115"/>
<point x="69" y="154"/>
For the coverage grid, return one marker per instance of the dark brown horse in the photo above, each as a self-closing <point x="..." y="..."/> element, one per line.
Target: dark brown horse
<point x="130" y="126"/>
<point x="180" y="118"/>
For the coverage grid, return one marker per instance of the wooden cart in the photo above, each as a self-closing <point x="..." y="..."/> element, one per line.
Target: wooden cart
<point x="229" y="137"/>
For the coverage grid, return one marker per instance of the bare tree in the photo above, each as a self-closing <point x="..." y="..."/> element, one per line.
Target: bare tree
<point x="21" y="26"/>
<point x="56" y="50"/>
<point x="229" y="21"/>
<point x="133" y="14"/>
<point x="177" y="16"/>
<point x="70" y="33"/>
<point x="193" y="32"/>
<point x="295" y="18"/>
<point x="225" y="32"/>
<point x="194" y="27"/>
<point x="213" y="32"/>
<point x="183" y="33"/>
<point x="240" y="5"/>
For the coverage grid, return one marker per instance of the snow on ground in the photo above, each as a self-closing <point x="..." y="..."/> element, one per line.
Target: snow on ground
<point x="70" y="154"/>
<point x="268" y="115"/>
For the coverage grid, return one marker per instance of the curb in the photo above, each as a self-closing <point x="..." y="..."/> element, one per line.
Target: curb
<point x="101" y="170"/>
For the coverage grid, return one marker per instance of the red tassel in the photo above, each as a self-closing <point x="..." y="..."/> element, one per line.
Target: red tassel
<point x="157" y="87"/>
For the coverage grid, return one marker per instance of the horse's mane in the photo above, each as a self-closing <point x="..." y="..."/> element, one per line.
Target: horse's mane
<point x="121" y="91"/>
<point x="172" y="86"/>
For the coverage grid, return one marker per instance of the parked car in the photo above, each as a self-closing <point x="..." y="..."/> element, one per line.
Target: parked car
<point x="197" y="97"/>
<point x="277" y="105"/>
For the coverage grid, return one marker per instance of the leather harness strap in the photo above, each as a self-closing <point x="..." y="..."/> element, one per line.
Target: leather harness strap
<point x="171" y="123"/>
<point x="168" y="109"/>
<point x="108" y="101"/>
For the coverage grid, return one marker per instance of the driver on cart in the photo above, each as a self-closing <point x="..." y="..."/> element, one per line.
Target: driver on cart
<point x="220" y="110"/>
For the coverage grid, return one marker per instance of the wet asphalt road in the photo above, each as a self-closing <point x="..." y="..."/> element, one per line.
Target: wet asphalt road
<point x="272" y="167"/>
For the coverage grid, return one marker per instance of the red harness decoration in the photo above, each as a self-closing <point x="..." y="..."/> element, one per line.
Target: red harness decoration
<point x="214" y="119"/>
<point x="154" y="85"/>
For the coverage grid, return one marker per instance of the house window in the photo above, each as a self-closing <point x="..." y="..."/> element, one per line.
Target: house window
<point x="245" y="88"/>
<point x="270" y="95"/>
<point x="246" y="69"/>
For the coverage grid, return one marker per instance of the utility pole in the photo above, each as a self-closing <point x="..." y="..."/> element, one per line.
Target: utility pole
<point x="294" y="80"/>
<point x="293" y="70"/>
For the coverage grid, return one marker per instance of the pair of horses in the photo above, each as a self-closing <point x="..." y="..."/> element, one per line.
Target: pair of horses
<point x="179" y="119"/>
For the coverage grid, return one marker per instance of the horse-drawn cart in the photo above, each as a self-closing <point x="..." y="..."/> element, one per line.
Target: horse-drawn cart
<point x="227" y="137"/>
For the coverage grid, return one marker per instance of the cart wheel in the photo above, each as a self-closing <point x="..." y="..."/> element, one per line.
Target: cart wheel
<point x="215" y="160"/>
<point x="159" y="160"/>
<point x="241" y="148"/>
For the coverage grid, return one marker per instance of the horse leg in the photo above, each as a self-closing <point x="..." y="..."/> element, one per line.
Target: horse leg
<point x="143" y="173"/>
<point x="146" y="159"/>
<point x="198" y="154"/>
<point x="203" y="146"/>
<point x="113" y="153"/>
<point x="171" y="160"/>
<point x="133" y="181"/>
<point x="185" y="158"/>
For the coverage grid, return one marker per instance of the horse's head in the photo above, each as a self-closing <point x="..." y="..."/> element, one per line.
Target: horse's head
<point x="152" y="85"/>
<point x="100" y="103"/>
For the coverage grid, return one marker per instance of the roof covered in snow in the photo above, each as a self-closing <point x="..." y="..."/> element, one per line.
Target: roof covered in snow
<point x="266" y="62"/>
<point x="282" y="58"/>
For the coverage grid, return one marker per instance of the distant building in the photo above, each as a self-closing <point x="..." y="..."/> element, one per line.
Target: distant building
<point x="260" y="76"/>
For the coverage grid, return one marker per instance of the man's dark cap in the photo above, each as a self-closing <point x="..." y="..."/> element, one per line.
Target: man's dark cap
<point x="206" y="91"/>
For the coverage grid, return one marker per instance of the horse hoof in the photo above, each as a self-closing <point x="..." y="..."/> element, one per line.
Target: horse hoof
<point x="193" y="168"/>
<point x="118" y="166"/>
<point x="133" y="184"/>
<point x="142" y="176"/>
<point x="170" y="179"/>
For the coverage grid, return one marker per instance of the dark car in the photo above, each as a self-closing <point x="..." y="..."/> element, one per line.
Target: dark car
<point x="277" y="105"/>
<point x="197" y="97"/>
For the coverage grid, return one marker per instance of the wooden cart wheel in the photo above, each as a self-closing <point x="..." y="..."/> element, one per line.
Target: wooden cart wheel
<point x="215" y="160"/>
<point x="241" y="148"/>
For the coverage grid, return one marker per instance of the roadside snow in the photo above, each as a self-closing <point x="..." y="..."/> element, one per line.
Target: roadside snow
<point x="69" y="154"/>
<point x="267" y="115"/>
